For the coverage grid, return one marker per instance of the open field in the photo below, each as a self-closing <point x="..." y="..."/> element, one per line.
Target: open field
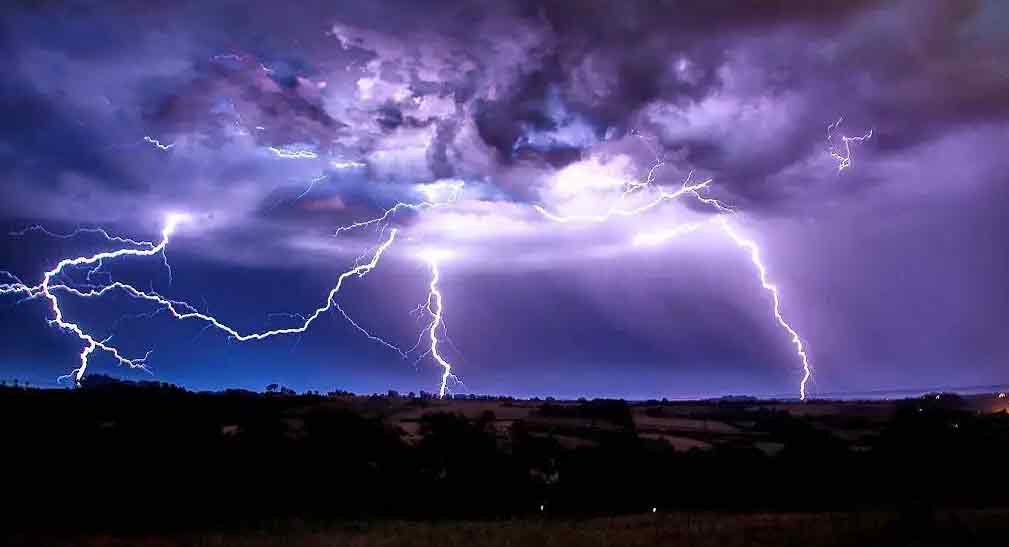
<point x="943" y="528"/>
<point x="684" y="425"/>
<point x="152" y="464"/>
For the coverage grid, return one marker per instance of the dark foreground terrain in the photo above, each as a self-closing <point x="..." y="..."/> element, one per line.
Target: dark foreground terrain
<point x="152" y="464"/>
<point x="962" y="527"/>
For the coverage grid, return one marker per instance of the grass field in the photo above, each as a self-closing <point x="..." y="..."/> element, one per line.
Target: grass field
<point x="165" y="467"/>
<point x="964" y="527"/>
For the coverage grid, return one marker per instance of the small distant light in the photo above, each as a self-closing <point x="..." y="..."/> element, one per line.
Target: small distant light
<point x="541" y="507"/>
<point x="653" y="509"/>
<point x="1001" y="396"/>
<point x="937" y="397"/>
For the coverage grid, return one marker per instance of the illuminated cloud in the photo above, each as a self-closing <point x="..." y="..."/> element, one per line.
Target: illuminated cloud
<point x="274" y="135"/>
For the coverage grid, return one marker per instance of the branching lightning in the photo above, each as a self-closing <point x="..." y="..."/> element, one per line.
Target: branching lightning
<point x="660" y="236"/>
<point x="843" y="158"/>
<point x="46" y="287"/>
<point x="753" y="250"/>
<point x="335" y="164"/>
<point x="56" y="280"/>
<point x="454" y="189"/>
<point x="434" y="308"/>
<point x="633" y="187"/>
<point x="178" y="310"/>
<point x="434" y="303"/>
<point x="182" y="311"/>
<point x="367" y="334"/>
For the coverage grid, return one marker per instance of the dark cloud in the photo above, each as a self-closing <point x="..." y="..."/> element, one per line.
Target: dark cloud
<point x="277" y="124"/>
<point x="245" y="95"/>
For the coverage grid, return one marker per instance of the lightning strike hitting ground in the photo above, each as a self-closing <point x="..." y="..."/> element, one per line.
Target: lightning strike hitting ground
<point x="658" y="237"/>
<point x="843" y="158"/>
<point x="753" y="250"/>
<point x="434" y="303"/>
<point x="184" y="311"/>
<point x="91" y="344"/>
<point x="434" y="307"/>
<point x="178" y="310"/>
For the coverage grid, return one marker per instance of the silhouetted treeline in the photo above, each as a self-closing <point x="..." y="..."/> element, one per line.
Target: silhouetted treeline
<point x="154" y="455"/>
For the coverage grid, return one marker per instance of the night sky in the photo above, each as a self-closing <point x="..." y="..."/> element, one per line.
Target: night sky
<point x="894" y="271"/>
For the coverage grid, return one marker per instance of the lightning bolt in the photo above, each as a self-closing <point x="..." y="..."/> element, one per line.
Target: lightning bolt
<point x="346" y="164"/>
<point x="78" y="231"/>
<point x="293" y="154"/>
<point x="454" y="188"/>
<point x="843" y="159"/>
<point x="92" y="344"/>
<point x="434" y="308"/>
<point x="105" y="235"/>
<point x="335" y="164"/>
<point x="753" y="250"/>
<point x="158" y="145"/>
<point x="434" y="303"/>
<point x="367" y="334"/>
<point x="183" y="311"/>
<point x="311" y="185"/>
<point x="633" y="187"/>
<point x="177" y="309"/>
<point x="657" y="237"/>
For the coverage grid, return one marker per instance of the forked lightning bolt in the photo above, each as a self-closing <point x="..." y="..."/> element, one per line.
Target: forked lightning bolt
<point x="632" y="187"/>
<point x="178" y="310"/>
<point x="454" y="189"/>
<point x="434" y="303"/>
<point x="657" y="237"/>
<point x="434" y="307"/>
<point x="843" y="158"/>
<point x="184" y="311"/>
<point x="754" y="251"/>
<point x="91" y="343"/>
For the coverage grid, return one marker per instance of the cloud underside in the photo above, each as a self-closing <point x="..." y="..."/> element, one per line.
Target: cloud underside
<point x="274" y="126"/>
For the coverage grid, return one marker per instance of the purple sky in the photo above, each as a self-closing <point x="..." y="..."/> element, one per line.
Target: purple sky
<point x="894" y="271"/>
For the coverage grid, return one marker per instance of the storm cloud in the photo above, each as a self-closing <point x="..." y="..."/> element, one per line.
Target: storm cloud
<point x="277" y="124"/>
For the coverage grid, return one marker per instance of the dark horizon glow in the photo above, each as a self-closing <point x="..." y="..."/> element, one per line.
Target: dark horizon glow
<point x="274" y="127"/>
